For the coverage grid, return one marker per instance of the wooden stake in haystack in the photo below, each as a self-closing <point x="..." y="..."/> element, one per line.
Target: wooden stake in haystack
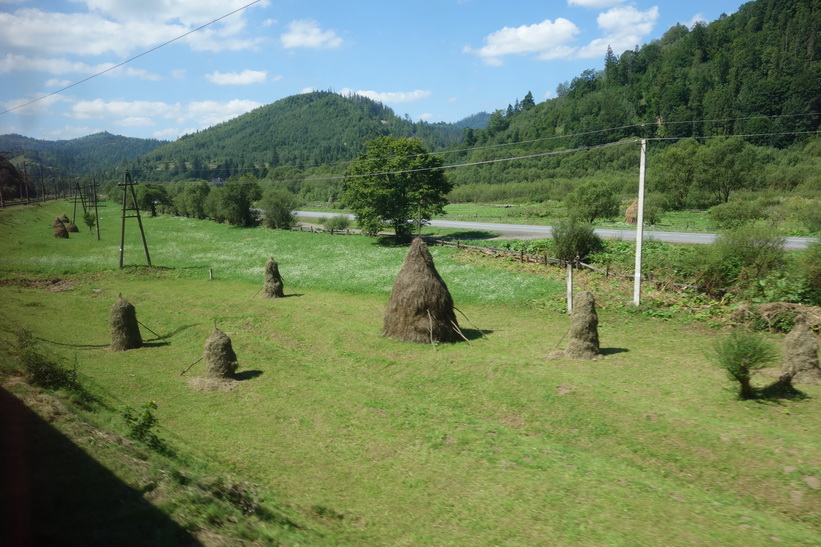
<point x="584" y="328"/>
<point x="420" y="308"/>
<point x="801" y="354"/>
<point x="273" y="287"/>
<point x="125" y="329"/>
<point x="220" y="359"/>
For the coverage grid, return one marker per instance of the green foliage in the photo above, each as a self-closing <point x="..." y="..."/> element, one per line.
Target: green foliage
<point x="735" y="213"/>
<point x="90" y="220"/>
<point x="141" y="424"/>
<point x="810" y="267"/>
<point x="393" y="182"/>
<point x="151" y="196"/>
<point x="591" y="200"/>
<point x="741" y="354"/>
<point x="572" y="239"/>
<point x="233" y="202"/>
<point x="40" y="369"/>
<point x="725" y="166"/>
<point x="191" y="200"/>
<point x="278" y="207"/>
<point x="336" y="223"/>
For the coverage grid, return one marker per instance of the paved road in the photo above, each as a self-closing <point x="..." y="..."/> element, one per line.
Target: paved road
<point x="533" y="231"/>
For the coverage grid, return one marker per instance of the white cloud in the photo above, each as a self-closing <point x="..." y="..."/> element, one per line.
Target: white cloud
<point x="54" y="82"/>
<point x="245" y="77"/>
<point x="697" y="18"/>
<point x="594" y="4"/>
<point x="623" y="27"/>
<point x="546" y="40"/>
<point x="307" y="33"/>
<point x="201" y="113"/>
<point x="100" y="109"/>
<point x="305" y="90"/>
<point x="210" y="113"/>
<point x="38" y="108"/>
<point x="389" y="96"/>
<point x="425" y="116"/>
<point x="136" y="121"/>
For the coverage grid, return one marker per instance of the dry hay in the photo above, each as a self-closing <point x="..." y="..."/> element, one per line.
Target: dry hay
<point x="60" y="231"/>
<point x="631" y="216"/>
<point x="57" y="222"/>
<point x="125" y="330"/>
<point x="801" y="355"/>
<point x="212" y="384"/>
<point x="273" y="287"/>
<point x="220" y="359"/>
<point x="71" y="227"/>
<point x="420" y="308"/>
<point x="777" y="316"/>
<point x="64" y="218"/>
<point x="584" y="328"/>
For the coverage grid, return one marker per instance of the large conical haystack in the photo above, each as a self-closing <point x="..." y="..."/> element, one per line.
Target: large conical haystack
<point x="273" y="287"/>
<point x="801" y="355"/>
<point x="125" y="330"/>
<point x="220" y="359"/>
<point x="631" y="216"/>
<point x="60" y="231"/>
<point x="420" y="308"/>
<point x="584" y="328"/>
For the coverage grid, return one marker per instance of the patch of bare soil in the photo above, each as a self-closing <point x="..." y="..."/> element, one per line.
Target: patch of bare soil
<point x="201" y="383"/>
<point x="54" y="284"/>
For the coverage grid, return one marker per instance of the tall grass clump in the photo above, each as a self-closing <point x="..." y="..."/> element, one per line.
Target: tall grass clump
<point x="741" y="354"/>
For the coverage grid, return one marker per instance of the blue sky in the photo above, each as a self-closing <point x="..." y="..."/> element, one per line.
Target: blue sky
<point x="434" y="60"/>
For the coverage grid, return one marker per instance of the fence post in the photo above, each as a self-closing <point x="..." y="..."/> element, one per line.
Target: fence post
<point x="569" y="287"/>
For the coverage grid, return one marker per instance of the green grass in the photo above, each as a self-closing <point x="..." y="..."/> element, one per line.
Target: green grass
<point x="371" y="441"/>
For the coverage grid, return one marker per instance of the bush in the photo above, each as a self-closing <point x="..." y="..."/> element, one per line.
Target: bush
<point x="741" y="354"/>
<point x="572" y="239"/>
<point x="591" y="200"/>
<point x="735" y="213"/>
<point x="141" y="424"/>
<point x="811" y="271"/>
<point x="277" y="207"/>
<point x="336" y="223"/>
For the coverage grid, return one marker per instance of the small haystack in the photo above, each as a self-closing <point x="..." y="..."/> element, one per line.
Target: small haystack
<point x="64" y="218"/>
<point x="273" y="287"/>
<point x="220" y="359"/>
<point x="125" y="330"/>
<point x="57" y="222"/>
<point x="420" y="308"/>
<point x="801" y="355"/>
<point x="60" y="231"/>
<point x="584" y="328"/>
<point x="631" y="216"/>
<point x="71" y="227"/>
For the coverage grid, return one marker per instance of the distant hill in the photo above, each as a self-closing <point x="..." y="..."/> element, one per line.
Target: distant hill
<point x="300" y="131"/>
<point x="81" y="156"/>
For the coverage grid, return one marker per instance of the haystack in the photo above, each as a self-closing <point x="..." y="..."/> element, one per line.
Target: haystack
<point x="420" y="308"/>
<point x="801" y="355"/>
<point x="71" y="227"/>
<point x="64" y="218"/>
<point x="273" y="287"/>
<point x="125" y="330"/>
<point x="631" y="216"/>
<point x="220" y="359"/>
<point x="60" y="231"/>
<point x="57" y="222"/>
<point x="584" y="328"/>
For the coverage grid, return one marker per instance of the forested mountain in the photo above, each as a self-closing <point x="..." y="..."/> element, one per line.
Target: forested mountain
<point x="302" y="131"/>
<point x="81" y="156"/>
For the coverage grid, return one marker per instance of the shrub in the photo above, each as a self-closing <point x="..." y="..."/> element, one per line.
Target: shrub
<point x="591" y="200"/>
<point x="811" y="271"/>
<point x="572" y="239"/>
<point x="277" y="207"/>
<point x="336" y="223"/>
<point x="141" y="424"/>
<point x="741" y="354"/>
<point x="735" y="213"/>
<point x="89" y="219"/>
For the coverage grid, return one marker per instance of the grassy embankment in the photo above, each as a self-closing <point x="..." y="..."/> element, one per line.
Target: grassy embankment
<point x="365" y="440"/>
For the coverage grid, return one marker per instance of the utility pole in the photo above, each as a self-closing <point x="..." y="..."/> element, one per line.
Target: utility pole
<point x="640" y="225"/>
<point x="96" y="211"/>
<point x="128" y="187"/>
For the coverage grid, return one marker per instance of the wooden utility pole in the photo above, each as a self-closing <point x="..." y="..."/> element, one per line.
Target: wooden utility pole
<point x="128" y="188"/>
<point x="93" y="189"/>
<point x="640" y="225"/>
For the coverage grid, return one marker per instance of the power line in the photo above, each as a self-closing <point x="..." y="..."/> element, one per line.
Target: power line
<point x="84" y="80"/>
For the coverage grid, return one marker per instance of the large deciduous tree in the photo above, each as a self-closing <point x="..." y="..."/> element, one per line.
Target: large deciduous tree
<point x="393" y="182"/>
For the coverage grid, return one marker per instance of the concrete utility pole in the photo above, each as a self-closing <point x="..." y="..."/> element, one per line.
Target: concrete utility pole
<point x="639" y="226"/>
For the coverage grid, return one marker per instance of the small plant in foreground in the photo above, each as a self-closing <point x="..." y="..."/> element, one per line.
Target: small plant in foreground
<point x="141" y="424"/>
<point x="40" y="369"/>
<point x="90" y="220"/>
<point x="741" y="354"/>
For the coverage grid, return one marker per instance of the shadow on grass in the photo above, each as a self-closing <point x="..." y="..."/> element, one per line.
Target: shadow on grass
<point x="471" y="234"/>
<point x="53" y="493"/>
<point x="780" y="390"/>
<point x="178" y="330"/>
<point x="475" y="334"/>
<point x="247" y="375"/>
<point x="612" y="351"/>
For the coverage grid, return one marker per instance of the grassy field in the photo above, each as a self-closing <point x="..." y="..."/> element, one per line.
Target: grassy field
<point x="363" y="440"/>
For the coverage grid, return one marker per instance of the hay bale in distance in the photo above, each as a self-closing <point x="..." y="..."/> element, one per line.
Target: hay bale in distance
<point x="125" y="331"/>
<point x="420" y="308"/>
<point x="220" y="359"/>
<point x="801" y="355"/>
<point x="273" y="287"/>
<point x="57" y="222"/>
<point x="64" y="218"/>
<point x="584" y="328"/>
<point x="60" y="231"/>
<point x="631" y="216"/>
<point x="71" y="227"/>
